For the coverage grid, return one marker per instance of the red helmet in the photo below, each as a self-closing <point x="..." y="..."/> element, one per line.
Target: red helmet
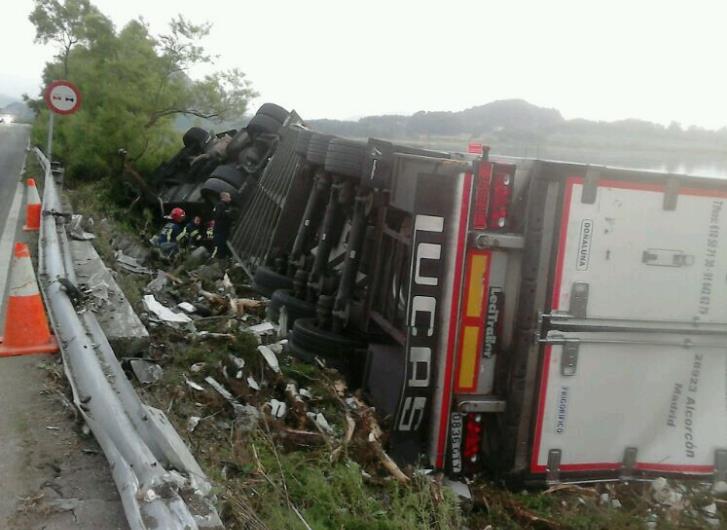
<point x="178" y="215"/>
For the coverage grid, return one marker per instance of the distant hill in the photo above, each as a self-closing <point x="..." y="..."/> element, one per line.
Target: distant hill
<point x="516" y="127"/>
<point x="19" y="110"/>
<point x="510" y="114"/>
<point x="6" y="100"/>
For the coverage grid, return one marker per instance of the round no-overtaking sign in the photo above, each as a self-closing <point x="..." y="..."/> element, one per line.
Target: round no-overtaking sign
<point x="63" y="97"/>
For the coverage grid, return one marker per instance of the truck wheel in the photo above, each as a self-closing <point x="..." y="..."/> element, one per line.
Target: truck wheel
<point x="267" y="281"/>
<point x="195" y="139"/>
<point x="301" y="143"/>
<point x="295" y="307"/>
<point x="318" y="147"/>
<point x="263" y="124"/>
<point x="339" y="363"/>
<point x="345" y="158"/>
<point x="307" y="335"/>
<point x="212" y="188"/>
<point x="350" y="365"/>
<point x="230" y="174"/>
<point x="276" y="112"/>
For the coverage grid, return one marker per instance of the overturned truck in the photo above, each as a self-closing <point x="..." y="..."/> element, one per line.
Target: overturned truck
<point x="231" y="161"/>
<point x="546" y="321"/>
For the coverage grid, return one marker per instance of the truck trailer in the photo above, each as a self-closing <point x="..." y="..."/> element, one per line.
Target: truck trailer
<point x="545" y="321"/>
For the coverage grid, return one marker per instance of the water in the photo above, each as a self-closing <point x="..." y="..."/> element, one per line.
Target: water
<point x="707" y="164"/>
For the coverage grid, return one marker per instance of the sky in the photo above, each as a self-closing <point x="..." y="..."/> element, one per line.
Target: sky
<point x="660" y="61"/>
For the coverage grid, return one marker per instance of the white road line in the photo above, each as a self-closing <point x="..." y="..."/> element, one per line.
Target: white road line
<point x="8" y="238"/>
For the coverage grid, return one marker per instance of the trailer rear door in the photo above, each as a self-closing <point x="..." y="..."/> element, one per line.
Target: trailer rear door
<point x="635" y="251"/>
<point x="653" y="402"/>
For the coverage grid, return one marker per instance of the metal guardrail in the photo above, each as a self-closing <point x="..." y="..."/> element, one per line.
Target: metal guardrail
<point x="160" y="483"/>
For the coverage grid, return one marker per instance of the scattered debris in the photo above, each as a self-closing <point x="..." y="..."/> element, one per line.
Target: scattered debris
<point x="76" y="231"/>
<point x="187" y="307"/>
<point x="221" y="390"/>
<point x="212" y="335"/>
<point x="278" y="409"/>
<point x="196" y="258"/>
<point x="192" y="423"/>
<point x="164" y="313"/>
<point x="159" y="283"/>
<point x="252" y="383"/>
<point x="247" y="418"/>
<point x="238" y="363"/>
<point x="239" y="306"/>
<point x="197" y="367"/>
<point x="262" y="328"/>
<point x="145" y="371"/>
<point x="270" y="358"/>
<point x="664" y="494"/>
<point x="99" y="291"/>
<point x="458" y="488"/>
<point x="719" y="488"/>
<point x="320" y="421"/>
<point x="709" y="514"/>
<point x="278" y="347"/>
<point x="63" y="505"/>
<point x="131" y="264"/>
<point x="194" y="385"/>
<point x="375" y="434"/>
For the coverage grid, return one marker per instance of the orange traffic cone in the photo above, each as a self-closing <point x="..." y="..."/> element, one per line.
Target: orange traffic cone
<point x="32" y="209"/>
<point x="26" y="326"/>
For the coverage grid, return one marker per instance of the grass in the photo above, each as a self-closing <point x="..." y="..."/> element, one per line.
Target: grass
<point x="32" y="167"/>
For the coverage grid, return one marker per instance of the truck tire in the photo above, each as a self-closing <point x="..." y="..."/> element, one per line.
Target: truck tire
<point x="307" y="335"/>
<point x="295" y="307"/>
<point x="230" y="174"/>
<point x="212" y="188"/>
<point x="266" y="281"/>
<point x="263" y="124"/>
<point x="344" y="354"/>
<point x="317" y="148"/>
<point x="195" y="139"/>
<point x="276" y="112"/>
<point x="301" y="143"/>
<point x="339" y="363"/>
<point x="345" y="158"/>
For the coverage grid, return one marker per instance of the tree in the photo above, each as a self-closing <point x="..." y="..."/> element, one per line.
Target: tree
<point x="134" y="86"/>
<point x="67" y="24"/>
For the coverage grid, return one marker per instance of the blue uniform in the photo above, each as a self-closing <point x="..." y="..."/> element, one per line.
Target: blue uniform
<point x="169" y="238"/>
<point x="193" y="234"/>
<point x="170" y="232"/>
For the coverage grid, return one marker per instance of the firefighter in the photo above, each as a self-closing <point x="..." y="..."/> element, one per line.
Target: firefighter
<point x="222" y="215"/>
<point x="193" y="234"/>
<point x="171" y="234"/>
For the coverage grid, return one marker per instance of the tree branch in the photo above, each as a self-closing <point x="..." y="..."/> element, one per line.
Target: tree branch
<point x="156" y="116"/>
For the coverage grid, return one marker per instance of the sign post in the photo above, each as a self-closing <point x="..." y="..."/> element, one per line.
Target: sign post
<point x="61" y="97"/>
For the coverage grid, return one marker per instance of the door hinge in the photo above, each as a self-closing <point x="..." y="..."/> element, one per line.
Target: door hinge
<point x="553" y="472"/>
<point x="590" y="185"/>
<point x="569" y="358"/>
<point x="579" y="300"/>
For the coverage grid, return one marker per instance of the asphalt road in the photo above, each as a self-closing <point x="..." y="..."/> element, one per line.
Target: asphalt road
<point x="52" y="476"/>
<point x="13" y="140"/>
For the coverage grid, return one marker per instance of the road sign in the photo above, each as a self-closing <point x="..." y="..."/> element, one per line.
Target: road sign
<point x="63" y="97"/>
